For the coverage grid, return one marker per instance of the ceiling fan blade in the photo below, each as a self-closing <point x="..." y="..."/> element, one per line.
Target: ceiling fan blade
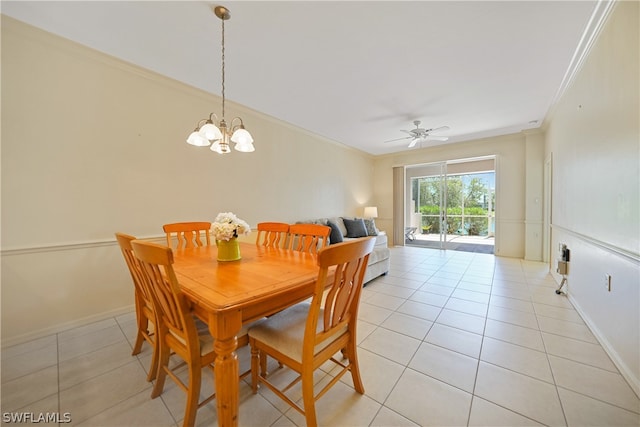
<point x="421" y="135"/>
<point x="441" y="128"/>
<point x="392" y="140"/>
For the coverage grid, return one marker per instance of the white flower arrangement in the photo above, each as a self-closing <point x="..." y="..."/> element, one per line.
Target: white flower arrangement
<point x="228" y="226"/>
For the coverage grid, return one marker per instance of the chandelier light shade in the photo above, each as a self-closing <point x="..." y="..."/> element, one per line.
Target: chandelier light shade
<point x="215" y="133"/>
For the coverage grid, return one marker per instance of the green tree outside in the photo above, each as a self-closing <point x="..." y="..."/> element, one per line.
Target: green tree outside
<point x="468" y="197"/>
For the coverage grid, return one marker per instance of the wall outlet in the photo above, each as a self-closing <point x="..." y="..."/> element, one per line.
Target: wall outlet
<point x="607" y="282"/>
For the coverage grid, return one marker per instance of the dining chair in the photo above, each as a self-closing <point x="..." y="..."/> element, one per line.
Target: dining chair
<point x="305" y="336"/>
<point x="188" y="234"/>
<point x="145" y="314"/>
<point x="272" y="234"/>
<point x="308" y="237"/>
<point x="178" y="331"/>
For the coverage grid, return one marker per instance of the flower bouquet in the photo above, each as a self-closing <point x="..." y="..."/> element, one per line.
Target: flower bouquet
<point x="226" y="228"/>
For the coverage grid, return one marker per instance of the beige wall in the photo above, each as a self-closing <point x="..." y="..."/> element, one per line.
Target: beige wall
<point x="593" y="140"/>
<point x="92" y="145"/>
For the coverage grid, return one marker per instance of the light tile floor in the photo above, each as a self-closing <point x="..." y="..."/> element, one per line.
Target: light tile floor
<point x="446" y="338"/>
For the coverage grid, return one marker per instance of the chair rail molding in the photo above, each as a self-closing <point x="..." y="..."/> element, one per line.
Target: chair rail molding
<point x="71" y="246"/>
<point x="624" y="253"/>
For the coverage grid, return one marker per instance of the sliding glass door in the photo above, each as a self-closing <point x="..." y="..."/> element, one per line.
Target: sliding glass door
<point x="428" y="206"/>
<point x="451" y="205"/>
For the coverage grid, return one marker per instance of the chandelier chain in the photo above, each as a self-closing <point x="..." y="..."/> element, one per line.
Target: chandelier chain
<point x="223" y="97"/>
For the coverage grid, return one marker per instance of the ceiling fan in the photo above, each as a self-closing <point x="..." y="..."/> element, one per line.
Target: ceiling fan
<point x="420" y="134"/>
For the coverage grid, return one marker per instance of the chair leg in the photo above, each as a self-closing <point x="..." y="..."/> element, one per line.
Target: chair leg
<point x="163" y="365"/>
<point x="142" y="326"/>
<point x="308" y="397"/>
<point x="153" y="369"/>
<point x="193" y="394"/>
<point x="263" y="365"/>
<point x="355" y="368"/>
<point x="137" y="347"/>
<point x="256" y="363"/>
<point x="142" y="321"/>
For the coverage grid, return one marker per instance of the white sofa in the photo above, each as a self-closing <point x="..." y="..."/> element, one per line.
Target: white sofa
<point x="379" y="258"/>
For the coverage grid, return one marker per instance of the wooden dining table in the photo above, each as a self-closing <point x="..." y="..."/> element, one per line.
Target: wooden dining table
<point x="230" y="294"/>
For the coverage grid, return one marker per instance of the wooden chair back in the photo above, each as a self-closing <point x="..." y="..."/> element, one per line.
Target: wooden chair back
<point x="339" y="303"/>
<point x="173" y="312"/>
<point x="188" y="234"/>
<point x="308" y="237"/>
<point x="272" y="234"/>
<point x="124" y="241"/>
<point x="143" y="302"/>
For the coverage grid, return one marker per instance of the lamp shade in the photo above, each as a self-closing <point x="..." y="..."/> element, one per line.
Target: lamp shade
<point x="217" y="148"/>
<point x="242" y="136"/>
<point x="371" y="212"/>
<point x="211" y="132"/>
<point x="245" y="147"/>
<point x="197" y="139"/>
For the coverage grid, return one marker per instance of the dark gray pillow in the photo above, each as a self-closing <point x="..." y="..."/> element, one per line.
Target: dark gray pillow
<point x="355" y="227"/>
<point x="336" y="234"/>
<point x="370" y="225"/>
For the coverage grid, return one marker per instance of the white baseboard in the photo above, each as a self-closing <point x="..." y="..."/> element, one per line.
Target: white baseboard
<point x="20" y="339"/>
<point x="632" y="380"/>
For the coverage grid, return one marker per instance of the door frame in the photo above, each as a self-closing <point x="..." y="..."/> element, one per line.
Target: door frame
<point x="547" y="212"/>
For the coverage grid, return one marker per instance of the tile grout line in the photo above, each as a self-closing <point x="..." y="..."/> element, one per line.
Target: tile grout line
<point x="546" y="353"/>
<point x="484" y="330"/>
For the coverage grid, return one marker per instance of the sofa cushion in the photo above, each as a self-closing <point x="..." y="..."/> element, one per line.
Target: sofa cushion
<point x="370" y="225"/>
<point x="336" y="233"/>
<point x="355" y="227"/>
<point x="323" y="221"/>
<point x="338" y="221"/>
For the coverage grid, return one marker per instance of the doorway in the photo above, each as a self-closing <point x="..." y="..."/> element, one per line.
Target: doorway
<point x="451" y="205"/>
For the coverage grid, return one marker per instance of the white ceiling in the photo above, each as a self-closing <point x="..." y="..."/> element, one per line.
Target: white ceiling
<point x="354" y="72"/>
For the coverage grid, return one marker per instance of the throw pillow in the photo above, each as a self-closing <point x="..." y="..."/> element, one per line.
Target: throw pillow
<point x="336" y="234"/>
<point x="370" y="225"/>
<point x="355" y="227"/>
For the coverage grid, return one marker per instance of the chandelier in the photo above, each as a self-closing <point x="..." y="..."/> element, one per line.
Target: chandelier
<point x="219" y="136"/>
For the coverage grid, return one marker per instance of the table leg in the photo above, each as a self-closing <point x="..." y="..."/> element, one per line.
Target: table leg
<point x="227" y="389"/>
<point x="225" y="330"/>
